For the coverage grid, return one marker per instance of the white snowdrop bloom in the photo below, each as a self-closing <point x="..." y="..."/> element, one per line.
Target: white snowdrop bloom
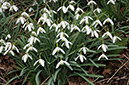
<point x="108" y="20"/>
<point x="96" y="22"/>
<point x="85" y="19"/>
<point x="1" y="48"/>
<point x="52" y="11"/>
<point x="108" y="34"/>
<point x="13" y="7"/>
<point x="62" y="62"/>
<point x="21" y="19"/>
<point x="25" y="57"/>
<point x="63" y="24"/>
<point x="33" y="33"/>
<point x="87" y="29"/>
<point x="54" y="25"/>
<point x="78" y="9"/>
<point x="40" y="29"/>
<point x="90" y="2"/>
<point x="9" y="51"/>
<point x="98" y="10"/>
<point x="71" y="7"/>
<point x="44" y="1"/>
<point x="5" y="5"/>
<point x="33" y="39"/>
<point x="103" y="56"/>
<point x="77" y="16"/>
<point x="1" y="10"/>
<point x="30" y="26"/>
<point x="2" y="41"/>
<point x="74" y="27"/>
<point x="1" y="1"/>
<point x="8" y="36"/>
<point x="25" y="14"/>
<point x="111" y="1"/>
<point x="62" y="39"/>
<point x="44" y="19"/>
<point x="41" y="61"/>
<point x="57" y="49"/>
<point x="46" y="10"/>
<point x="81" y="57"/>
<point x="48" y="21"/>
<point x="104" y="47"/>
<point x="114" y="38"/>
<point x="72" y="2"/>
<point x="63" y="8"/>
<point x="14" y="47"/>
<point x="35" y="3"/>
<point x="27" y="45"/>
<point x="41" y="19"/>
<point x="55" y="0"/>
<point x="62" y="34"/>
<point x="67" y="43"/>
<point x="8" y="45"/>
<point x="30" y="9"/>
<point x="94" y="33"/>
<point x="84" y="49"/>
<point x="31" y="48"/>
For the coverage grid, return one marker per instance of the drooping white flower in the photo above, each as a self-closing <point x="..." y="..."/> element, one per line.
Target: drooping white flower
<point x="71" y="7"/>
<point x="30" y="9"/>
<point x="2" y="41"/>
<point x="8" y="46"/>
<point x="31" y="48"/>
<point x="33" y="39"/>
<point x="63" y="24"/>
<point x="30" y="26"/>
<point x="74" y="27"/>
<point x="62" y="62"/>
<point x="8" y="36"/>
<point x="62" y="39"/>
<point x="81" y="57"/>
<point x="27" y="45"/>
<point x="25" y="57"/>
<point x="13" y="7"/>
<point x="96" y="22"/>
<point x="45" y="19"/>
<point x="57" y="49"/>
<point x="78" y="9"/>
<point x="21" y="19"/>
<point x="54" y="25"/>
<point x="25" y="14"/>
<point x="108" y="20"/>
<point x="62" y="34"/>
<point x="14" y="47"/>
<point x="86" y="29"/>
<point x="1" y="48"/>
<point x="41" y="61"/>
<point x="103" y="55"/>
<point x="9" y="51"/>
<point x="84" y="49"/>
<point x="35" y="3"/>
<point x="63" y="8"/>
<point x="94" y="33"/>
<point x="5" y="5"/>
<point x="111" y="1"/>
<point x="86" y="19"/>
<point x="55" y="0"/>
<point x="67" y="43"/>
<point x="40" y="29"/>
<point x="98" y="10"/>
<point x="104" y="47"/>
<point x="1" y="1"/>
<point x="72" y="1"/>
<point x="77" y="16"/>
<point x="90" y="2"/>
<point x="1" y="10"/>
<point x="108" y="34"/>
<point x="114" y="38"/>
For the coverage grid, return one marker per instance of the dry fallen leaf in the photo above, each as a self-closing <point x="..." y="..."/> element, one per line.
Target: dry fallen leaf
<point x="106" y="71"/>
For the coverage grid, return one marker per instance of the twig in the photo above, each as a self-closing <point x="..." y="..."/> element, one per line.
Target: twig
<point x="3" y="79"/>
<point x="123" y="63"/>
<point x="117" y="71"/>
<point x="45" y="80"/>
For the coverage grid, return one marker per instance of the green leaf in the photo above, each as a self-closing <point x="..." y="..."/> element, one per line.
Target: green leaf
<point x="12" y="79"/>
<point x="37" y="78"/>
<point x="55" y="75"/>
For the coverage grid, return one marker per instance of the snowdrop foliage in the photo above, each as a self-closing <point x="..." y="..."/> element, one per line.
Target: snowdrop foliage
<point x="58" y="39"/>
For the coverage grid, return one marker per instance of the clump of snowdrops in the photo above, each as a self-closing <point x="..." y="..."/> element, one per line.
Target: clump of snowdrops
<point x="58" y="40"/>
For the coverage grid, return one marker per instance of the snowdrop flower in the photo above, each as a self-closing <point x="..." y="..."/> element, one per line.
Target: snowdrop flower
<point x="81" y="57"/>
<point x="14" y="47"/>
<point x="92" y="2"/>
<point x="31" y="48"/>
<point x="1" y="48"/>
<point x="30" y="26"/>
<point x="46" y="10"/>
<point x="13" y="7"/>
<point x="103" y="55"/>
<point x="94" y="33"/>
<point x="62" y="63"/>
<point x="10" y="51"/>
<point x="83" y="49"/>
<point x="5" y="5"/>
<point x="63" y="8"/>
<point x="40" y="29"/>
<point x="1" y="1"/>
<point x="8" y="45"/>
<point x="1" y="10"/>
<point x="54" y="25"/>
<point x="25" y="14"/>
<point x="25" y="57"/>
<point x="114" y="38"/>
<point x="86" y="19"/>
<point x="8" y="36"/>
<point x="77" y="16"/>
<point x="21" y="19"/>
<point x="33" y="39"/>
<point x="71" y="2"/>
<point x="41" y="61"/>
<point x="71" y="7"/>
<point x="44" y="19"/>
<point x="30" y="10"/>
<point x="67" y="43"/>
<point x="96" y="23"/>
<point x="27" y="45"/>
<point x="108" y="20"/>
<point x="74" y="27"/>
<point x="104" y="47"/>
<point x="98" y="10"/>
<point x="78" y="9"/>
<point x="62" y="38"/>
<point x="33" y="33"/>
<point x="62" y="34"/>
<point x="108" y="34"/>
<point x="2" y="41"/>
<point x="55" y="0"/>
<point x="111" y="1"/>
<point x="35" y="3"/>
<point x="57" y="49"/>
<point x="63" y="24"/>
